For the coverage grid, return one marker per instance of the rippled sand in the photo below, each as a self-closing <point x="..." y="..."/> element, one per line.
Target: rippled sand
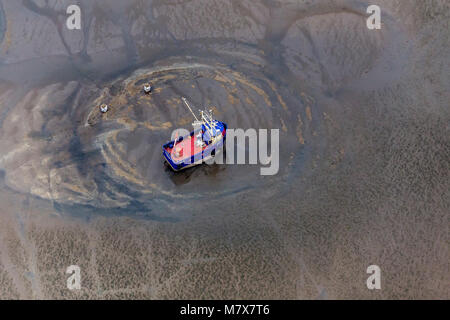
<point x="364" y="133"/>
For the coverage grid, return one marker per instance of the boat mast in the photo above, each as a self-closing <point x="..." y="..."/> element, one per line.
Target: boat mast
<point x="204" y="119"/>
<point x="187" y="105"/>
<point x="208" y="120"/>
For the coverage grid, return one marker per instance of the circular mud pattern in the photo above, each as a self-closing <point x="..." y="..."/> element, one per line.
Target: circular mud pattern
<point x="241" y="96"/>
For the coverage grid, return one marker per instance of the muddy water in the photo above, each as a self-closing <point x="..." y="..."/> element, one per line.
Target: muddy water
<point x="363" y="119"/>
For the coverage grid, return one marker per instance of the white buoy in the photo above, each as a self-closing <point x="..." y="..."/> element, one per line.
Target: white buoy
<point x="147" y="87"/>
<point x="103" y="108"/>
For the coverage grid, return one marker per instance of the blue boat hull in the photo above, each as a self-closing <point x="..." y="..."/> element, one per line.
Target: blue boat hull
<point x="199" y="157"/>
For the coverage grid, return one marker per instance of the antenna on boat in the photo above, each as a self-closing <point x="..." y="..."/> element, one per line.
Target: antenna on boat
<point x="206" y="119"/>
<point x="187" y="105"/>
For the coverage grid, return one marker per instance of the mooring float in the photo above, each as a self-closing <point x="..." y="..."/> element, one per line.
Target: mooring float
<point x="103" y="108"/>
<point x="147" y="87"/>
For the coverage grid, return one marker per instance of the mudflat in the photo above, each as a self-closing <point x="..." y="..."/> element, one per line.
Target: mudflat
<point x="364" y="174"/>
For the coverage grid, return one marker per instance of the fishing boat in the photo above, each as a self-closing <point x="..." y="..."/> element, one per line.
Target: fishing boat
<point x="200" y="145"/>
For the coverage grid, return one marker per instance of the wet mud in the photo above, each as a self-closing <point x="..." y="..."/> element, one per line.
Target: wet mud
<point x="363" y="176"/>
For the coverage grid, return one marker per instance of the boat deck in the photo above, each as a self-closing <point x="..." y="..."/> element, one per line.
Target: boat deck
<point x="188" y="148"/>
